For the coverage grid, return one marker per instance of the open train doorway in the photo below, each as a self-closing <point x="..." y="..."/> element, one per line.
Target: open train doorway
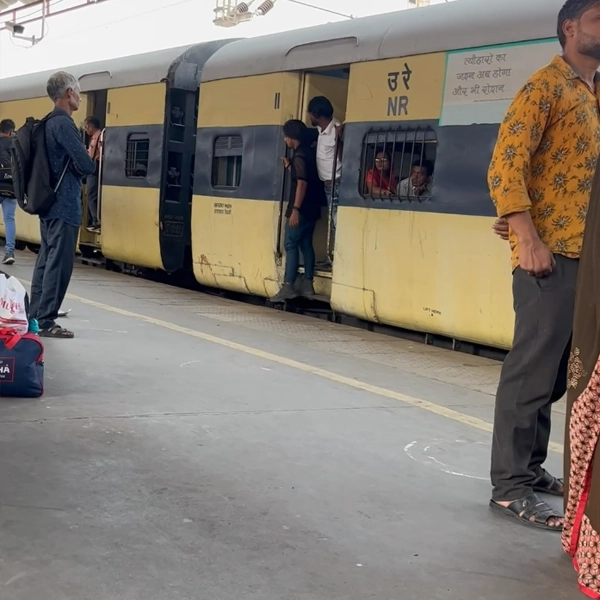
<point x="94" y="128"/>
<point x="325" y="90"/>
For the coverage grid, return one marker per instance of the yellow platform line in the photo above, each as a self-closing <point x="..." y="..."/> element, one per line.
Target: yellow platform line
<point x="431" y="407"/>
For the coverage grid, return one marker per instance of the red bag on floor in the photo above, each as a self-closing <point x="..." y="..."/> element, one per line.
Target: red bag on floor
<point x="21" y="365"/>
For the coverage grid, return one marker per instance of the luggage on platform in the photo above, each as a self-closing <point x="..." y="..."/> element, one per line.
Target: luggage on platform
<point x="21" y="352"/>
<point x="21" y="365"/>
<point x="14" y="304"/>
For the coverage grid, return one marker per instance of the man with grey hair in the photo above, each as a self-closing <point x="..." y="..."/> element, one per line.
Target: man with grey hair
<point x="60" y="225"/>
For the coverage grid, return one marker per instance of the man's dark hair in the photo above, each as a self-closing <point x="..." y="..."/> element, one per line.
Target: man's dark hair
<point x="94" y="122"/>
<point x="426" y="164"/>
<point x="320" y="107"/>
<point x="572" y="11"/>
<point x="295" y="130"/>
<point x="6" y="126"/>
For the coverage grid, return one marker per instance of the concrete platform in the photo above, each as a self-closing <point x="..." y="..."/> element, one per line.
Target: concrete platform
<point x="192" y="448"/>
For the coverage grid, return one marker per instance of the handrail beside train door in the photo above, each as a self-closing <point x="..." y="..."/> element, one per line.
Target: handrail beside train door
<point x="100" y="168"/>
<point x="330" y="225"/>
<point x="282" y="200"/>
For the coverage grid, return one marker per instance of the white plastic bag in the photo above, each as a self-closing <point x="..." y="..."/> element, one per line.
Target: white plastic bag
<point x="13" y="312"/>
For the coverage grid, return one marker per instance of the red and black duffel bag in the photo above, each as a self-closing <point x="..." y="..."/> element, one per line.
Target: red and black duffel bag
<point x="21" y="365"/>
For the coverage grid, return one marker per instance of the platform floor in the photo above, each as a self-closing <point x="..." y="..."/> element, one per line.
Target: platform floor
<point x="194" y="448"/>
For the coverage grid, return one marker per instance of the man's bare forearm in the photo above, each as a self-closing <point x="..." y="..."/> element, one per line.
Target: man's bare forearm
<point x="522" y="225"/>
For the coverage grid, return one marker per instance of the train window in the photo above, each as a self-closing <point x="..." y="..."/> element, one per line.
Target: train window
<point x="398" y="164"/>
<point x="137" y="155"/>
<point x="227" y="161"/>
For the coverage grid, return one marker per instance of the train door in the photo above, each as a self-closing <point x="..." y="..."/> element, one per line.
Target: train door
<point x="97" y="106"/>
<point x="177" y="179"/>
<point x="333" y="84"/>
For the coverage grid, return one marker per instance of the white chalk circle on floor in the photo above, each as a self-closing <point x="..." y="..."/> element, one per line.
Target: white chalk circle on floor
<point x="454" y="457"/>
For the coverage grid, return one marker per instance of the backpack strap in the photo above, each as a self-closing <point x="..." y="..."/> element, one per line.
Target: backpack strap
<point x="62" y="175"/>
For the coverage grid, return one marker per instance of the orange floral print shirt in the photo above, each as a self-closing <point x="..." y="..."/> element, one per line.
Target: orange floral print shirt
<point x="545" y="157"/>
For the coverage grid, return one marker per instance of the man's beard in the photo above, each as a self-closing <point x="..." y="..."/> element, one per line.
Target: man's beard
<point x="589" y="46"/>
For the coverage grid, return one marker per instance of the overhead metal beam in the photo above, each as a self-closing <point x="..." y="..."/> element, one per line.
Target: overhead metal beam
<point x="15" y="20"/>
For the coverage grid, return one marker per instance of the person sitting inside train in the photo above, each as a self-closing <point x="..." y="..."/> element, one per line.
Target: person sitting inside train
<point x="380" y="179"/>
<point x="303" y="212"/>
<point x="419" y="182"/>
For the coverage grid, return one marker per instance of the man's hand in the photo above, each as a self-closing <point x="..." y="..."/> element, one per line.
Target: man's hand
<point x="294" y="219"/>
<point x="500" y="228"/>
<point x="285" y="162"/>
<point x="536" y="259"/>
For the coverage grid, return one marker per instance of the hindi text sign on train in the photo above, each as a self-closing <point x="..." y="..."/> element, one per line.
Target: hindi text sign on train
<point x="480" y="84"/>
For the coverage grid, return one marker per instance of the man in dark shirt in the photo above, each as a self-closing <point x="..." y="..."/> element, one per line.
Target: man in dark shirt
<point x="9" y="204"/>
<point x="60" y="226"/>
<point x="303" y="212"/>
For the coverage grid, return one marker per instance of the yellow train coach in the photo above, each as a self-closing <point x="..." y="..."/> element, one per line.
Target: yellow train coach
<point x="192" y="177"/>
<point x="426" y="86"/>
<point x="147" y="108"/>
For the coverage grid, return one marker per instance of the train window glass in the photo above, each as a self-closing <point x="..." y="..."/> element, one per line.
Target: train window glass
<point x="137" y="155"/>
<point x="398" y="164"/>
<point x="227" y="161"/>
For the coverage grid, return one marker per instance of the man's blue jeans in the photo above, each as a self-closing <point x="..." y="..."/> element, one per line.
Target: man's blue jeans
<point x="298" y="239"/>
<point x="9" y="207"/>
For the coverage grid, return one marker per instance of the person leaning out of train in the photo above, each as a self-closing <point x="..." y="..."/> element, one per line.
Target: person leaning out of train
<point x="380" y="179"/>
<point x="419" y="182"/>
<point x="9" y="203"/>
<point x="303" y="212"/>
<point x="92" y="128"/>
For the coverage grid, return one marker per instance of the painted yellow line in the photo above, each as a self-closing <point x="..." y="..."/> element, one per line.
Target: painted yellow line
<point x="431" y="407"/>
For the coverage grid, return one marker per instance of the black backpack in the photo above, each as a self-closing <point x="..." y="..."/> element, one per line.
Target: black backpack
<point x="32" y="179"/>
<point x="6" y="180"/>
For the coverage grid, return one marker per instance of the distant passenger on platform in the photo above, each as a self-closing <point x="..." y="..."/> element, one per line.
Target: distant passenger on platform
<point x="60" y="226"/>
<point x="9" y="205"/>
<point x="92" y="128"/>
<point x="329" y="150"/>
<point x="303" y="212"/>
<point x="540" y="179"/>
<point x="419" y="182"/>
<point x="380" y="179"/>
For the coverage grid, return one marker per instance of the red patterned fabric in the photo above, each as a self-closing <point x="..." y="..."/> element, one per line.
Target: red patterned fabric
<point x="579" y="538"/>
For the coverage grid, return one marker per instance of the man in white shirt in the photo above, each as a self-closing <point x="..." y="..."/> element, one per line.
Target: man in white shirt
<point x="329" y="149"/>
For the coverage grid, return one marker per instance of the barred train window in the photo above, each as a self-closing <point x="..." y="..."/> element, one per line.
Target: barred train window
<point x="398" y="164"/>
<point x="227" y="162"/>
<point x="137" y="155"/>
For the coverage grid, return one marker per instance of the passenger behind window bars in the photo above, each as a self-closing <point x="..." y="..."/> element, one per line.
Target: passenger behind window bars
<point x="419" y="183"/>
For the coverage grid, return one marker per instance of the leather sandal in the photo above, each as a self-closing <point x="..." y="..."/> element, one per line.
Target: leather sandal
<point x="532" y="506"/>
<point x="547" y="484"/>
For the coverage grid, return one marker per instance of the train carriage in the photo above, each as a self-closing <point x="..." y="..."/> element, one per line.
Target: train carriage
<point x="398" y="81"/>
<point x="147" y="107"/>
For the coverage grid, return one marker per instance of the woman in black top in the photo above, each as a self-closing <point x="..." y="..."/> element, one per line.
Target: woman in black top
<point x="303" y="211"/>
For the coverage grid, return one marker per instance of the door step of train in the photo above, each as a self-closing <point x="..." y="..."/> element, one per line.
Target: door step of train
<point x="91" y="262"/>
<point x="314" y="304"/>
